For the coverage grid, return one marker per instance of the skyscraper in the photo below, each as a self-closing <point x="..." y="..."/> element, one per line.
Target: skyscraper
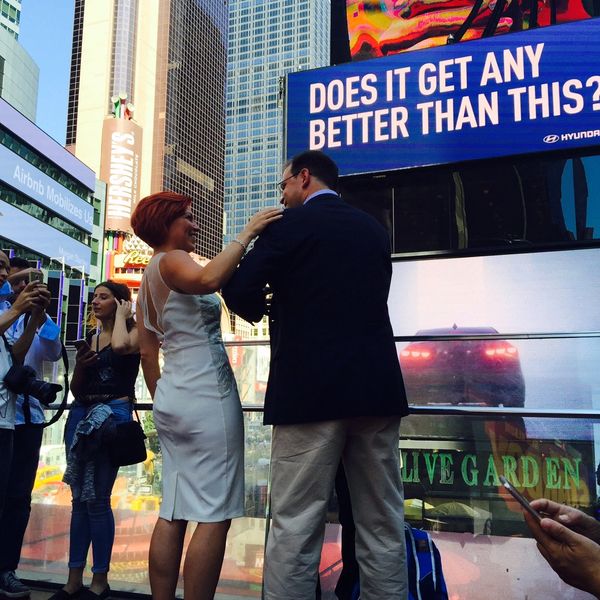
<point x="167" y="57"/>
<point x="10" y="16"/>
<point x="267" y="39"/>
<point x="19" y="74"/>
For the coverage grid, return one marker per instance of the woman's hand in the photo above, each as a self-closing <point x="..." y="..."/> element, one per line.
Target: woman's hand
<point x="124" y="309"/>
<point x="123" y="339"/>
<point x="259" y="222"/>
<point x="85" y="357"/>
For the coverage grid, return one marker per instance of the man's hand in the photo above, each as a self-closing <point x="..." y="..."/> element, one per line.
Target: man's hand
<point x="38" y="312"/>
<point x="574" y="557"/>
<point x="569" y="517"/>
<point x="34" y="295"/>
<point x="22" y="275"/>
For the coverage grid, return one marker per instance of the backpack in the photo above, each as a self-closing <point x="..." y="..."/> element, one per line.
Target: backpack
<point x="425" y="576"/>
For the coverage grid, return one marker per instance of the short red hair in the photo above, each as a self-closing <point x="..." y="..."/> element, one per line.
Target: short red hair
<point x="154" y="214"/>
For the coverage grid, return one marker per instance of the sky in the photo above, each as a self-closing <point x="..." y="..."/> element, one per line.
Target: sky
<point x="46" y="32"/>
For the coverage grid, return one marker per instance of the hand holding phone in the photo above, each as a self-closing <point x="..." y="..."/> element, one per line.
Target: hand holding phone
<point x="35" y="275"/>
<point x="81" y="344"/>
<point x="520" y="498"/>
<point x="85" y="356"/>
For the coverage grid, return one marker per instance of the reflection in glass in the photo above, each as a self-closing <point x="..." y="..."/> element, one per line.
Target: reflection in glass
<point x="450" y="466"/>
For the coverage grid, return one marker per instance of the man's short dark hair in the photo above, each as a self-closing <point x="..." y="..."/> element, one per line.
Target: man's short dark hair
<point x="19" y="263"/>
<point x="318" y="164"/>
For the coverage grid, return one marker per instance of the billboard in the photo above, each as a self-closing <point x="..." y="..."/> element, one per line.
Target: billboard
<point x="120" y="169"/>
<point x="372" y="28"/>
<point x="25" y="178"/>
<point x="32" y="135"/>
<point x="29" y="232"/>
<point x="532" y="293"/>
<point x="498" y="96"/>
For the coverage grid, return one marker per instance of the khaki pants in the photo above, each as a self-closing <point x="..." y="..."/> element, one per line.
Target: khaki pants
<point x="304" y="461"/>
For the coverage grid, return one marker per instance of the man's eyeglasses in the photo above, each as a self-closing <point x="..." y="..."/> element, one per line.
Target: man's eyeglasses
<point x="281" y="185"/>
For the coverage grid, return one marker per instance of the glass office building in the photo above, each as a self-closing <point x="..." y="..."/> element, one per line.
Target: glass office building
<point x="48" y="214"/>
<point x="168" y="59"/>
<point x="19" y="74"/>
<point x="266" y="41"/>
<point x="10" y="16"/>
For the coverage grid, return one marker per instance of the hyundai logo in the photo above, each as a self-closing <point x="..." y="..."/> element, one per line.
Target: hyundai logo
<point x="551" y="139"/>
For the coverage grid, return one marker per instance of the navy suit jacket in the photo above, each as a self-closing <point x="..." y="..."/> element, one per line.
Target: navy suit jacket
<point x="332" y="349"/>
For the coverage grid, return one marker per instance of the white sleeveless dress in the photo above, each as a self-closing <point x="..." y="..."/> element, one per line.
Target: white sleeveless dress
<point x="197" y="408"/>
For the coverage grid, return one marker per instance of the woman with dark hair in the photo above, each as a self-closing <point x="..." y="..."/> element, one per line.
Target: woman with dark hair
<point x="197" y="409"/>
<point x="103" y="385"/>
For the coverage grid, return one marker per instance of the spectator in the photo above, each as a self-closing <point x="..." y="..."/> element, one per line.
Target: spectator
<point x="570" y="541"/>
<point x="45" y="346"/>
<point x="34" y="298"/>
<point x="103" y="385"/>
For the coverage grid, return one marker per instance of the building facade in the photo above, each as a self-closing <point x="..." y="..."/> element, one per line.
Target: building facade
<point x="10" y="16"/>
<point x="167" y="59"/>
<point x="48" y="213"/>
<point x="19" y="74"/>
<point x="267" y="39"/>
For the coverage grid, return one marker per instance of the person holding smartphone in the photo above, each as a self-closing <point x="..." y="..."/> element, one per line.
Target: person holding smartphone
<point x="45" y="345"/>
<point x="570" y="541"/>
<point x="32" y="299"/>
<point x="103" y="385"/>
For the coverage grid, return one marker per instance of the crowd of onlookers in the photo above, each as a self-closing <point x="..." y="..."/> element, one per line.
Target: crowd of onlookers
<point x="321" y="271"/>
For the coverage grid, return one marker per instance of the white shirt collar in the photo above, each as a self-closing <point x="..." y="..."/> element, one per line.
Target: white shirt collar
<point x="319" y="193"/>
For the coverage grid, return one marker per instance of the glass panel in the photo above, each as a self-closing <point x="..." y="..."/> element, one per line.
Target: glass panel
<point x="533" y="374"/>
<point x="507" y="205"/>
<point x="524" y="293"/>
<point x="450" y="466"/>
<point x="450" y="469"/>
<point x="251" y="368"/>
<point x="135" y="500"/>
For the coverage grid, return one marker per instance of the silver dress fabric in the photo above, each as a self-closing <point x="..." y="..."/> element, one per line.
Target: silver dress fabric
<point x="197" y="409"/>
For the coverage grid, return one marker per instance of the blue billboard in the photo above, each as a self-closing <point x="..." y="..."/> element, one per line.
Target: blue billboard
<point x="525" y="92"/>
<point x="19" y="227"/>
<point x="23" y="176"/>
<point x="32" y="135"/>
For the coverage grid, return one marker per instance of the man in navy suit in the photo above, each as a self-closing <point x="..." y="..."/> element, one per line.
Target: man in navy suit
<point x="335" y="390"/>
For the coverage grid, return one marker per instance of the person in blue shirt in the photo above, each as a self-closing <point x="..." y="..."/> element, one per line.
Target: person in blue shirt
<point x="45" y="346"/>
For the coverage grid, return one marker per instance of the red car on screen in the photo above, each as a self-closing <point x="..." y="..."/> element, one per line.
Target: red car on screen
<point x="472" y="372"/>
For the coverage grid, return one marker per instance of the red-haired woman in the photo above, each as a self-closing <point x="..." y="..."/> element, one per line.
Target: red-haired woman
<point x="197" y="410"/>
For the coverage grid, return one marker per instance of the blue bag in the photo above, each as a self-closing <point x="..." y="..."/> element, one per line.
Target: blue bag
<point x="425" y="576"/>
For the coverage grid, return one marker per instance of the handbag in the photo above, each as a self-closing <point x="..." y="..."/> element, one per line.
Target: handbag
<point x="127" y="446"/>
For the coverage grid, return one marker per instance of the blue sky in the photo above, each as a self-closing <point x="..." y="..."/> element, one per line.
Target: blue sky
<point x="47" y="34"/>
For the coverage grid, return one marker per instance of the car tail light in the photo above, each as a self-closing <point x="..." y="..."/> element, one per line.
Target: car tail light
<point x="502" y="350"/>
<point x="416" y="353"/>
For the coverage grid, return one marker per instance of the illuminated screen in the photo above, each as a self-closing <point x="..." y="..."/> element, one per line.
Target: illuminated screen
<point x="552" y="293"/>
<point x="384" y="27"/>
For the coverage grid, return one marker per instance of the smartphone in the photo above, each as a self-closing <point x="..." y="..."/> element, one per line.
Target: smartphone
<point x="81" y="344"/>
<point x="520" y="498"/>
<point x="36" y="276"/>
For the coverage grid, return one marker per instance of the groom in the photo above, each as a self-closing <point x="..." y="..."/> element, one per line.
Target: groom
<point x="335" y="390"/>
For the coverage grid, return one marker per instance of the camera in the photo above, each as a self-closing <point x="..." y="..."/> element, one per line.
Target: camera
<point x="22" y="379"/>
